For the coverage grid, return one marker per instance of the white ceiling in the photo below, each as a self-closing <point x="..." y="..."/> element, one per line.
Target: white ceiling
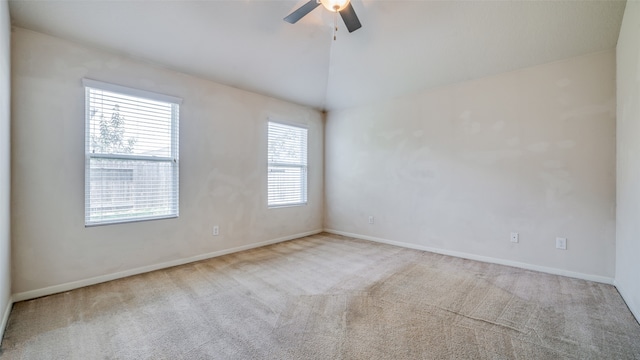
<point x="403" y="46"/>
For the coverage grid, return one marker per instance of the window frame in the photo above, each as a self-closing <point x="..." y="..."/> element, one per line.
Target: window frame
<point x="173" y="159"/>
<point x="304" y="181"/>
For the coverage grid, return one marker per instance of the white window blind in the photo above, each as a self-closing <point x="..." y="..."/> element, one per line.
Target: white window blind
<point x="287" y="165"/>
<point x="131" y="154"/>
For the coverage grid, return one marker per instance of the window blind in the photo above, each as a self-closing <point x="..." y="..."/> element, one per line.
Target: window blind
<point x="131" y="148"/>
<point x="287" y="165"/>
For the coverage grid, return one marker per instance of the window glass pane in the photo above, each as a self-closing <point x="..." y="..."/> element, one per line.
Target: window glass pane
<point x="287" y="144"/>
<point x="130" y="188"/>
<point x="286" y="185"/>
<point x="122" y="124"/>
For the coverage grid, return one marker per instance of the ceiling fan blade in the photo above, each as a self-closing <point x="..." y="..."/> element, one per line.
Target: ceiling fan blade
<point x="301" y="12"/>
<point x="350" y="18"/>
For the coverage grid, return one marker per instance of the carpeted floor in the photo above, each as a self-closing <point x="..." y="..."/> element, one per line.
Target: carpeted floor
<point x="329" y="297"/>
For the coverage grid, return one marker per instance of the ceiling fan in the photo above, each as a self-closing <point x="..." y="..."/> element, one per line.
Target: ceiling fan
<point x="336" y="6"/>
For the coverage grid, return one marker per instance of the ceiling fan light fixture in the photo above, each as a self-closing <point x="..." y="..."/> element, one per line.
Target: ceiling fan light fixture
<point x="335" y="5"/>
<point x="347" y="13"/>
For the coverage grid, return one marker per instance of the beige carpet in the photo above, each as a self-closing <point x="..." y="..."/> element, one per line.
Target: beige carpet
<point x="329" y="297"/>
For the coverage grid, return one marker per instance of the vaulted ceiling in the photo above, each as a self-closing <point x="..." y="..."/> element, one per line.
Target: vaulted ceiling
<point x="403" y="46"/>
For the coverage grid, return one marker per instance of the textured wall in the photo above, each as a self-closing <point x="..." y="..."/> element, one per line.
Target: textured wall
<point x="5" y="163"/>
<point x="222" y="169"/>
<point x="628" y="153"/>
<point x="459" y="168"/>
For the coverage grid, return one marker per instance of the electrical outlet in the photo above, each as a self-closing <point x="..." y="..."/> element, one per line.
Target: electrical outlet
<point x="561" y="243"/>
<point x="216" y="230"/>
<point x="371" y="219"/>
<point x="514" y="237"/>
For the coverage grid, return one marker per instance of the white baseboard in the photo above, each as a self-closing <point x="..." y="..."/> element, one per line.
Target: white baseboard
<point x="5" y="318"/>
<point x="487" y="259"/>
<point x="635" y="309"/>
<point x="32" y="294"/>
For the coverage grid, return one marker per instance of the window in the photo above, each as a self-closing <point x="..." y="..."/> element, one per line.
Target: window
<point x="131" y="154"/>
<point x="287" y="165"/>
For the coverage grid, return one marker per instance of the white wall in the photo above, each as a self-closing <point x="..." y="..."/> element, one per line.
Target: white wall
<point x="5" y="164"/>
<point x="457" y="169"/>
<point x="628" y="154"/>
<point x="222" y="169"/>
